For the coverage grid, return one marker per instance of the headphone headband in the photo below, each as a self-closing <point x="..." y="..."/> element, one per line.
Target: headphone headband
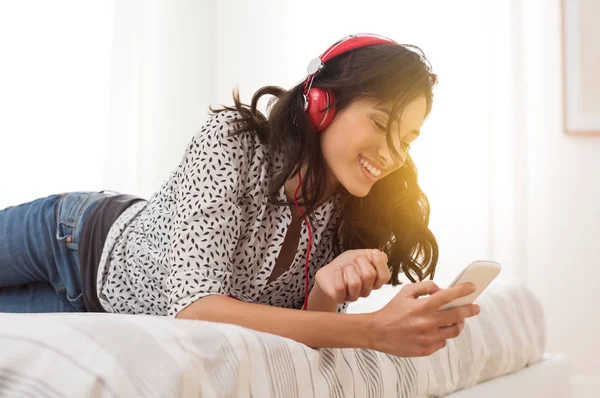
<point x="352" y="42"/>
<point x="323" y="101"/>
<point x="344" y="45"/>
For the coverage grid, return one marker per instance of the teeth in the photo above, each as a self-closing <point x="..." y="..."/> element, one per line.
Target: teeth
<point x="372" y="169"/>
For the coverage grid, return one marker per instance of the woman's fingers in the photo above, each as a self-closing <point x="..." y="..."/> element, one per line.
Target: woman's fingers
<point x="367" y="273"/>
<point x="455" y="315"/>
<point x="450" y="331"/>
<point x="380" y="262"/>
<point x="418" y="289"/>
<point x="437" y="340"/>
<point x="339" y="284"/>
<point x="445" y="296"/>
<point x="353" y="283"/>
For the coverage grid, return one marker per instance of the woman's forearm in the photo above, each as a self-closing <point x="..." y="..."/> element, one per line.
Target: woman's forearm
<point x="313" y="328"/>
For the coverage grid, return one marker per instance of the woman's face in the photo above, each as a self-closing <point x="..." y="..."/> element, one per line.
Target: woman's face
<point x="355" y="144"/>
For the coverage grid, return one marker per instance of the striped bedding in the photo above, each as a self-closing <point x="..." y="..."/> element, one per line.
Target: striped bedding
<point x="102" y="355"/>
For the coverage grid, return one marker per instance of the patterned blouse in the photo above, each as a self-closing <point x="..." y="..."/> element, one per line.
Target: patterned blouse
<point x="211" y="229"/>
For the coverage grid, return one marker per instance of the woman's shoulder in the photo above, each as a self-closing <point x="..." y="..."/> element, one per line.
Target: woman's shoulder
<point x="219" y="141"/>
<point x="222" y="129"/>
<point x="225" y="123"/>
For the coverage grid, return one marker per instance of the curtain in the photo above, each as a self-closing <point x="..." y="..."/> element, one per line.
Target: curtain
<point x="161" y="87"/>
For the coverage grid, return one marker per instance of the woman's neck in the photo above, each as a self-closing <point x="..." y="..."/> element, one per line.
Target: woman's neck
<point x="290" y="188"/>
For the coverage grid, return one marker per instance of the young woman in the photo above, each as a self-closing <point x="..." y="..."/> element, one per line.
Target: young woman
<point x="273" y="223"/>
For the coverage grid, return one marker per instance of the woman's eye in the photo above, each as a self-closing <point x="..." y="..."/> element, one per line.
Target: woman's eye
<point x="380" y="126"/>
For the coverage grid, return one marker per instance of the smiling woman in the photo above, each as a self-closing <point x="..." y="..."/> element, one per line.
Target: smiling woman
<point x="308" y="208"/>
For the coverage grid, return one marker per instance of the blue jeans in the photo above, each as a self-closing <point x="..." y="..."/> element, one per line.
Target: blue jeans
<point x="39" y="260"/>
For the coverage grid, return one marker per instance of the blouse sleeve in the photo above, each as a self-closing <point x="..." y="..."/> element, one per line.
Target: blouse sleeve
<point x="206" y="226"/>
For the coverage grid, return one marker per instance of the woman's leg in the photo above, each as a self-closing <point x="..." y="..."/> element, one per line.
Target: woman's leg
<point x="28" y="248"/>
<point x="38" y="243"/>
<point x="33" y="297"/>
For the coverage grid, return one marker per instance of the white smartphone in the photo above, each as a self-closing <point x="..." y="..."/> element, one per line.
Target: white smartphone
<point x="481" y="273"/>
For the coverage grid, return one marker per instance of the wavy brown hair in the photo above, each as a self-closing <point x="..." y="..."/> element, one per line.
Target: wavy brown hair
<point x="394" y="216"/>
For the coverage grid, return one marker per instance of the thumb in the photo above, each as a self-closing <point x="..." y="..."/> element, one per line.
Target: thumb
<point x="415" y="290"/>
<point x="339" y="284"/>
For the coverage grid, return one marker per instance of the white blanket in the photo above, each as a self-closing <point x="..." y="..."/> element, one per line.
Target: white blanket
<point x="91" y="355"/>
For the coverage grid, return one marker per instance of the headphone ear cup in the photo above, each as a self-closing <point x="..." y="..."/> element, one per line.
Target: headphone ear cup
<point x="320" y="110"/>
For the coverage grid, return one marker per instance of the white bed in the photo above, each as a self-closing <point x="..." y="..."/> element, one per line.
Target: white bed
<point x="549" y="378"/>
<point x="500" y="352"/>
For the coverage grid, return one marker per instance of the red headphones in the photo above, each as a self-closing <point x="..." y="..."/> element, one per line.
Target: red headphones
<point x="319" y="102"/>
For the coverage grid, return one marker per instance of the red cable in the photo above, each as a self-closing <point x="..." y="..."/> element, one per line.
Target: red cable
<point x="309" y="240"/>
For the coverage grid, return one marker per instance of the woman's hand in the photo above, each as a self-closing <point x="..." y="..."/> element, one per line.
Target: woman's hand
<point x="408" y="326"/>
<point x="353" y="274"/>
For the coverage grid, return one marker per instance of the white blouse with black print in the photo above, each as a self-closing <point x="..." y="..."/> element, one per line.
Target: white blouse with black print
<point x="210" y="229"/>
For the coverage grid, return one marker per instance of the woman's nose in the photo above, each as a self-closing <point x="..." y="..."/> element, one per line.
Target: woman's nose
<point x="385" y="157"/>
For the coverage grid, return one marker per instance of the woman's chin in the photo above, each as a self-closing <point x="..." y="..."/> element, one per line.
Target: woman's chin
<point x="357" y="189"/>
<point x="357" y="184"/>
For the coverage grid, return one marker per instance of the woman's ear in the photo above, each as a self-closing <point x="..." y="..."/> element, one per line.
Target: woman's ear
<point x="320" y="107"/>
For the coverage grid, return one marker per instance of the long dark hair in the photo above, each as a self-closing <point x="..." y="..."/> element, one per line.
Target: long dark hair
<point x="394" y="216"/>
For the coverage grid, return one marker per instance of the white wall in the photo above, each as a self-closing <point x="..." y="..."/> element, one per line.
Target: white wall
<point x="54" y="96"/>
<point x="563" y="211"/>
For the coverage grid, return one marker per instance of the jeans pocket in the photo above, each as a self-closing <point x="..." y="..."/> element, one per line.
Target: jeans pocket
<point x="70" y="209"/>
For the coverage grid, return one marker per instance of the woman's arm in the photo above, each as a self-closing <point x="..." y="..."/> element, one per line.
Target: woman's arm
<point x="407" y="326"/>
<point x="315" y="329"/>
